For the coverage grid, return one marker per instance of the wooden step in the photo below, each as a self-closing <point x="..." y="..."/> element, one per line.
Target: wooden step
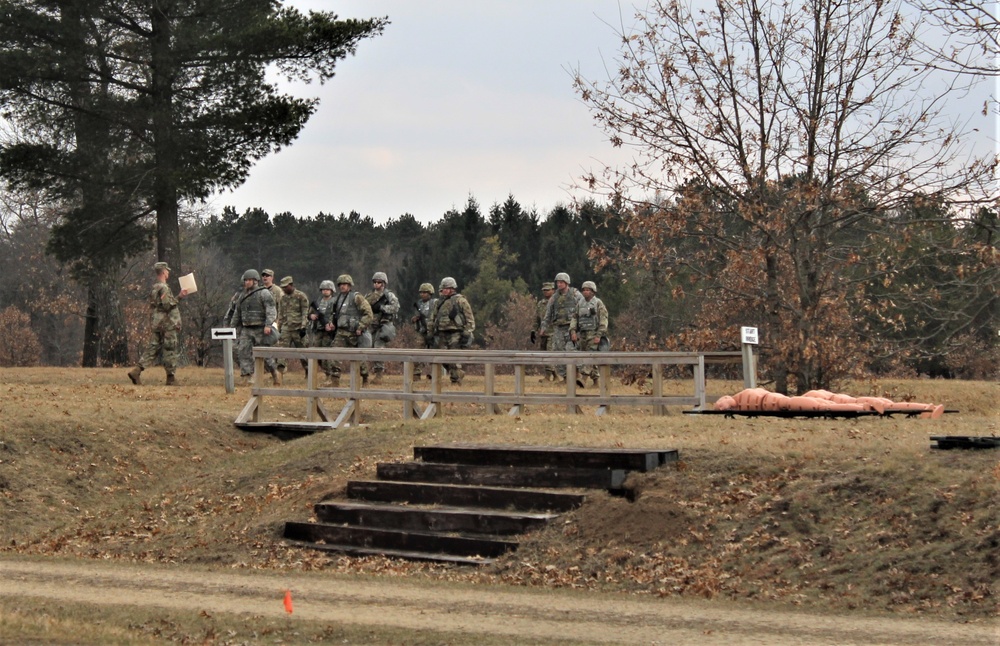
<point x="547" y="456"/>
<point x="437" y="519"/>
<point x="354" y="550"/>
<point x="389" y="539"/>
<point x="502" y="476"/>
<point x="421" y="493"/>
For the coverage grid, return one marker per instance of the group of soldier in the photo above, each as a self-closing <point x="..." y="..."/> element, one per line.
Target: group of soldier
<point x="267" y="314"/>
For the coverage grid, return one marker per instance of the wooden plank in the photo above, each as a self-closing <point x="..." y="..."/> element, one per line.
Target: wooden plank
<point x="541" y="456"/>
<point x="354" y="550"/>
<point x="345" y="413"/>
<point x="554" y="477"/>
<point x="437" y="519"/>
<point x="429" y="542"/>
<point x="948" y="442"/>
<point x="249" y="412"/>
<point x="420" y="493"/>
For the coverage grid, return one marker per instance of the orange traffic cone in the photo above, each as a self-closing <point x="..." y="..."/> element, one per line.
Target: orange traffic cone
<point x="288" y="601"/>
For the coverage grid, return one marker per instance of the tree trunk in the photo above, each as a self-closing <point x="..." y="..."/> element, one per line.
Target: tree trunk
<point x="105" y="339"/>
<point x="165" y="191"/>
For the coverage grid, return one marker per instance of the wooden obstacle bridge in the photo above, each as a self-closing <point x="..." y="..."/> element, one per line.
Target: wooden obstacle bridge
<point x="466" y="503"/>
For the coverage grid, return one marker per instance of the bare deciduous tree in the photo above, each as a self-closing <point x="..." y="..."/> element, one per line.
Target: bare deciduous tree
<point x="774" y="144"/>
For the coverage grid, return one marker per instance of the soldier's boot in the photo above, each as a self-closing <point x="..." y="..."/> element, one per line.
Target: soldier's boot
<point x="377" y="379"/>
<point x="246" y="380"/>
<point x="457" y="376"/>
<point x="364" y="380"/>
<point x="135" y="374"/>
<point x="276" y="377"/>
<point x="580" y="383"/>
<point x="171" y="380"/>
<point x="595" y="378"/>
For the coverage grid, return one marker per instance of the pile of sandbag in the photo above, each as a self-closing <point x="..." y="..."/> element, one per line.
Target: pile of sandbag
<point x="819" y="401"/>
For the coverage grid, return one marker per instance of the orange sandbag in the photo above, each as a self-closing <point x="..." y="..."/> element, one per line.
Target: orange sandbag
<point x="818" y="394"/>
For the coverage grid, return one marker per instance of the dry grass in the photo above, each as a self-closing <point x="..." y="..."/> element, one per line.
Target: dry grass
<point x="827" y="514"/>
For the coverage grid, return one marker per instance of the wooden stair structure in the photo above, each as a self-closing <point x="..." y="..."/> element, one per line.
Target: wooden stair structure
<point x="465" y="503"/>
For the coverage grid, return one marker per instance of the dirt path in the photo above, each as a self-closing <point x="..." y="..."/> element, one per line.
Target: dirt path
<point x="523" y="614"/>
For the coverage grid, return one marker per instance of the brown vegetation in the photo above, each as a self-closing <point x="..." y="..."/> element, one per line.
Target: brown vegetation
<point x="826" y="514"/>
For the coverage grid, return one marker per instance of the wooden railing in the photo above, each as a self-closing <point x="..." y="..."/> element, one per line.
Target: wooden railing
<point x="412" y="396"/>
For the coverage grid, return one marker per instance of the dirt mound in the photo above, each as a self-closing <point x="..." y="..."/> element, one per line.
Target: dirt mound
<point x="611" y="520"/>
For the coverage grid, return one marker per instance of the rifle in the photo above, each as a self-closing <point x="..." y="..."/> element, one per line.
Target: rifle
<point x="320" y="322"/>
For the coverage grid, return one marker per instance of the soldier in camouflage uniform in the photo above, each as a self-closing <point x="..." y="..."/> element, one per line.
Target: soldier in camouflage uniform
<point x="254" y="316"/>
<point x="420" y="320"/>
<point x="293" y="319"/>
<point x="354" y="316"/>
<point x="267" y="280"/>
<point x="166" y="323"/>
<point x="560" y="311"/>
<point x="590" y="325"/>
<point x="323" y="314"/>
<point x="544" y="342"/>
<point x="385" y="307"/>
<point x="452" y="324"/>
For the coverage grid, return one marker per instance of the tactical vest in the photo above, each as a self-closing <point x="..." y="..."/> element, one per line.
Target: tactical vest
<point x="587" y="318"/>
<point x="426" y="309"/>
<point x="564" y="307"/>
<point x="348" y="313"/>
<point x="252" y="309"/>
<point x="448" y="315"/>
<point x="379" y="307"/>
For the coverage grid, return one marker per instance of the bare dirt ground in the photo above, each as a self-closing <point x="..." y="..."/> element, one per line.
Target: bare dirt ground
<point x="525" y="616"/>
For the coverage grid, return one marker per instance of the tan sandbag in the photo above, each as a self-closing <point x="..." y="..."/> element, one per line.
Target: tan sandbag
<point x="724" y="403"/>
<point x="878" y="404"/>
<point x="774" y="402"/>
<point x="750" y="399"/>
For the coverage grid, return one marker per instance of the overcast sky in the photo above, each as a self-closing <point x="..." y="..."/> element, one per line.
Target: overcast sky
<point x="455" y="98"/>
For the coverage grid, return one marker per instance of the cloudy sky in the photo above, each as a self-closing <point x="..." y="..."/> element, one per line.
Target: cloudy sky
<point x="456" y="98"/>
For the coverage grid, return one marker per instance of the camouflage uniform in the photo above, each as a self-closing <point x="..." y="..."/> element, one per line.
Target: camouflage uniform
<point x="254" y="311"/>
<point x="559" y="313"/>
<point x="425" y="309"/>
<point x="165" y="317"/>
<point x="544" y="342"/>
<point x="385" y="306"/>
<point x="353" y="314"/>
<point x="277" y="294"/>
<point x="325" y="334"/>
<point x="293" y="319"/>
<point x="591" y="324"/>
<point x="452" y="325"/>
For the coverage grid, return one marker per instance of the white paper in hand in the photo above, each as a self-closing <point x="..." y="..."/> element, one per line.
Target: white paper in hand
<point x="187" y="282"/>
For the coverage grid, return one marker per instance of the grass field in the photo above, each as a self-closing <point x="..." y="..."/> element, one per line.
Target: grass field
<point x="842" y="515"/>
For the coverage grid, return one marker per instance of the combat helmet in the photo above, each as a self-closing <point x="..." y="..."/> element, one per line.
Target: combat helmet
<point x="251" y="274"/>
<point x="426" y="287"/>
<point x="327" y="284"/>
<point x="448" y="281"/>
<point x="380" y="275"/>
<point x="345" y="279"/>
<point x="589" y="284"/>
<point x="563" y="276"/>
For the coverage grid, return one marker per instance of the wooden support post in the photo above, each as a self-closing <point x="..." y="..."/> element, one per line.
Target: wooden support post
<point x="490" y="387"/>
<point x="355" y="403"/>
<point x="435" y="408"/>
<point x="407" y="388"/>
<point x="227" y="365"/>
<point x="749" y="368"/>
<point x="699" y="381"/>
<point x="571" y="388"/>
<point x="312" y="403"/>
<point x="516" y="409"/>
<point x="604" y="372"/>
<point x="657" y="368"/>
